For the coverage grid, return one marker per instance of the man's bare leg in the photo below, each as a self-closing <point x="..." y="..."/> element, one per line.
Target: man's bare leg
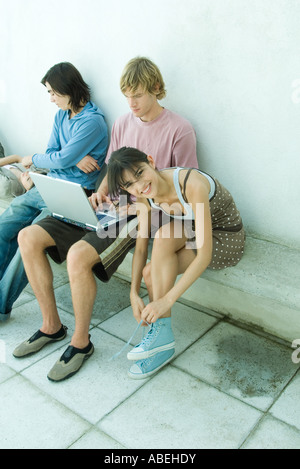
<point x="80" y="261"/>
<point x="33" y="241"/>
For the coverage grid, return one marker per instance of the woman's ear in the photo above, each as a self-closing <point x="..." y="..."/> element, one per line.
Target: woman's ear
<point x="151" y="161"/>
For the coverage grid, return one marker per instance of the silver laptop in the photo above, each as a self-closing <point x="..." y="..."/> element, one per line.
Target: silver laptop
<point x="68" y="202"/>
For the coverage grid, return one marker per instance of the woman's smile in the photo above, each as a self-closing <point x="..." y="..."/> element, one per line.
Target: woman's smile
<point x="147" y="189"/>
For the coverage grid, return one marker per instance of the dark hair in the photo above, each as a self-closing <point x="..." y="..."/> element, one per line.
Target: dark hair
<point x="126" y="158"/>
<point x="65" y="79"/>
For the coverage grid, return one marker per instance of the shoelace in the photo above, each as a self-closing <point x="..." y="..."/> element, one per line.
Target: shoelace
<point x="154" y="330"/>
<point x="129" y="340"/>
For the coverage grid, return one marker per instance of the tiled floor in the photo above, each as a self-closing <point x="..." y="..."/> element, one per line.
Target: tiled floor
<point x="227" y="387"/>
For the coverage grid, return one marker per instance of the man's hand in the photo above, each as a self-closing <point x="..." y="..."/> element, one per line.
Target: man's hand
<point x="88" y="164"/>
<point x="26" y="161"/>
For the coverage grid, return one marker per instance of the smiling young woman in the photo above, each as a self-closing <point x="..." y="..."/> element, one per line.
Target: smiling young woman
<point x="187" y="196"/>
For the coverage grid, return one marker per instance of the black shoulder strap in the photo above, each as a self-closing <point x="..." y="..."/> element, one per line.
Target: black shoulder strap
<point x="184" y="183"/>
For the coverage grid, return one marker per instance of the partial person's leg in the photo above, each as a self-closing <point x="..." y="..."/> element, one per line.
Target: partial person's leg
<point x="20" y="213"/>
<point x="14" y="279"/>
<point x="169" y="258"/>
<point x="148" y="280"/>
<point x="33" y="241"/>
<point x="80" y="261"/>
<point x="88" y="256"/>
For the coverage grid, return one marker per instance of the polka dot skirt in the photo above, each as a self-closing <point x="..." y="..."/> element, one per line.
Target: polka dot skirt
<point x="228" y="232"/>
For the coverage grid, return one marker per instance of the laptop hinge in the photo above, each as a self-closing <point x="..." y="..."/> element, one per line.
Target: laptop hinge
<point x="56" y="215"/>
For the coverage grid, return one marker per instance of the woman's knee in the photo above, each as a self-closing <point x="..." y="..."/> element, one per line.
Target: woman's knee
<point x="162" y="245"/>
<point x="168" y="239"/>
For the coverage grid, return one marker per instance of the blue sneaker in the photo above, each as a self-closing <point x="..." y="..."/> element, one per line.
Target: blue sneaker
<point x="159" y="338"/>
<point x="145" y="368"/>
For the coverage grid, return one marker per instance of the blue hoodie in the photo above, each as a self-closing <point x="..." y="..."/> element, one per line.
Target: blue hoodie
<point x="72" y="139"/>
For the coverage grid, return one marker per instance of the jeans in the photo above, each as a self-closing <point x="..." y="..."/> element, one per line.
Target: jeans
<point x="23" y="211"/>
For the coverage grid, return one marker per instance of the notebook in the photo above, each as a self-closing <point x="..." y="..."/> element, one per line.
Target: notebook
<point x="68" y="202"/>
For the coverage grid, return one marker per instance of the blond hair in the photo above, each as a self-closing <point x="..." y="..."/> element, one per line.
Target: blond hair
<point x="141" y="71"/>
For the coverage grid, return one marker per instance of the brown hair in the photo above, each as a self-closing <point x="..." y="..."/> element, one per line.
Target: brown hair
<point x="141" y="71"/>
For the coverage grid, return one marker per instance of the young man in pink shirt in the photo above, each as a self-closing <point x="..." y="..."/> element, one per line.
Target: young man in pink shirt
<point x="148" y="127"/>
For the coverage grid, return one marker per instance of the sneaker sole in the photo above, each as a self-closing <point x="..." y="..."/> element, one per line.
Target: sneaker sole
<point x="149" y="353"/>
<point x="150" y="373"/>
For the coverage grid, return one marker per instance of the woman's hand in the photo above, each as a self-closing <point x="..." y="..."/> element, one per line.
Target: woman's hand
<point x="155" y="310"/>
<point x="137" y="305"/>
<point x="26" y="161"/>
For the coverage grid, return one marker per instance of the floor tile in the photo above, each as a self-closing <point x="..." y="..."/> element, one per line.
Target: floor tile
<point x="287" y="407"/>
<point x="24" y="322"/>
<point x="95" y="439"/>
<point x="60" y="275"/>
<point x="175" y="410"/>
<point x="240" y="363"/>
<point x="25" y="297"/>
<point x="98" y="387"/>
<point x="188" y="325"/>
<point x="5" y="372"/>
<point x="111" y="298"/>
<point x="273" y="434"/>
<point x="220" y="374"/>
<point x="22" y="426"/>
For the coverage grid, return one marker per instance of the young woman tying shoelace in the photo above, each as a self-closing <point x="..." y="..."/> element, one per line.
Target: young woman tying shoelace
<point x="203" y="230"/>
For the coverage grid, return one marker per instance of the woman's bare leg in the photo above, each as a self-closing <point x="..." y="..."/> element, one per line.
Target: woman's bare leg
<point x="169" y="259"/>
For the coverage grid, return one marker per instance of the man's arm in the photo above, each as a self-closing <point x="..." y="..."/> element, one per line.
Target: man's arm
<point x="77" y="148"/>
<point x="101" y="195"/>
<point x="88" y="164"/>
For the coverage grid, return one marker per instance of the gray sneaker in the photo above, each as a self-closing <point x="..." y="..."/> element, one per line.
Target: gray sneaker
<point x="70" y="362"/>
<point x="38" y="341"/>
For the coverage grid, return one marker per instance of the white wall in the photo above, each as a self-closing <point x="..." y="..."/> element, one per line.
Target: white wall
<point x="232" y="67"/>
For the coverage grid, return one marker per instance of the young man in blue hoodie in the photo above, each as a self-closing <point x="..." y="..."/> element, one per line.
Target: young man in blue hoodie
<point x="76" y="152"/>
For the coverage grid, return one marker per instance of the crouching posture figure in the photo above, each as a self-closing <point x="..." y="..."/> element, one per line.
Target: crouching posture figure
<point x="204" y="230"/>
